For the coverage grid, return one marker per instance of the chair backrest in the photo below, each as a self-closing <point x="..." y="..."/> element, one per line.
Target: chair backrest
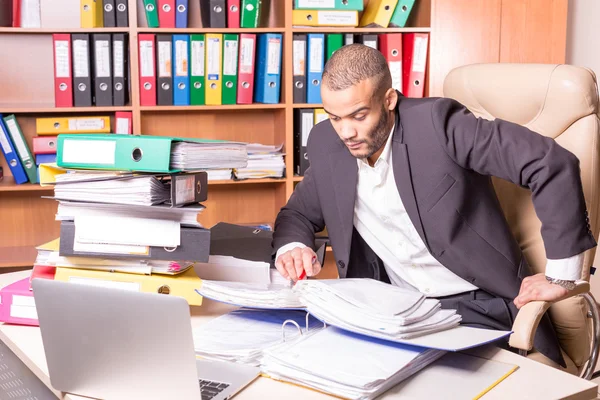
<point x="557" y="101"/>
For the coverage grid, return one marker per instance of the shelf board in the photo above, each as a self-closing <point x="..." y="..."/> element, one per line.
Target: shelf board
<point x="346" y="29"/>
<point x="211" y="30"/>
<point x="297" y="178"/>
<point x="62" y="30"/>
<point x="7" y="184"/>
<point x="254" y="106"/>
<point x="307" y="105"/>
<point x="17" y="256"/>
<point x="247" y="181"/>
<point x="47" y="108"/>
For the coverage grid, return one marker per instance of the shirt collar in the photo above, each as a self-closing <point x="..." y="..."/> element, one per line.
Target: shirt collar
<point x="385" y="155"/>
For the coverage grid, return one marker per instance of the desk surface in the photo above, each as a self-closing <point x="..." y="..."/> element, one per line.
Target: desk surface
<point x="531" y="381"/>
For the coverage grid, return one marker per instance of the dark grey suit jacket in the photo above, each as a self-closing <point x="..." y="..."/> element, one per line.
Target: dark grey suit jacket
<point x="443" y="157"/>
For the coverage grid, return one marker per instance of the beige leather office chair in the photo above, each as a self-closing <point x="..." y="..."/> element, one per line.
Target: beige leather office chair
<point x="561" y="102"/>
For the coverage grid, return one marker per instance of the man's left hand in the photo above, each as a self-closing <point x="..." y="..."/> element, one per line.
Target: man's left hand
<point x="536" y="287"/>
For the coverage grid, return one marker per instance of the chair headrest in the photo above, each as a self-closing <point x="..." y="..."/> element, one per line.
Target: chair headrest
<point x="546" y="98"/>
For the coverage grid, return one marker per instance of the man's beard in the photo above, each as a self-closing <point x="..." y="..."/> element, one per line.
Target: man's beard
<point x="377" y="137"/>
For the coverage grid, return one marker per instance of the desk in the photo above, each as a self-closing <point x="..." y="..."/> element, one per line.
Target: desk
<point x="531" y="381"/>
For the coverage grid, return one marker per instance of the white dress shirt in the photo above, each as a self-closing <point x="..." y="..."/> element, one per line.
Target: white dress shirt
<point x="382" y="221"/>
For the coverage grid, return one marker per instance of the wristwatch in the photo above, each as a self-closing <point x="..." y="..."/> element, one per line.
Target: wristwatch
<point x="569" y="285"/>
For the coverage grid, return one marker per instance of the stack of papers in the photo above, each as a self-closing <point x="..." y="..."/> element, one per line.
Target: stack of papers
<point x="138" y="190"/>
<point x="188" y="156"/>
<point x="219" y="174"/>
<point x="352" y="304"/>
<point x="186" y="215"/>
<point x="243" y="335"/>
<point x="263" y="162"/>
<point x="345" y="364"/>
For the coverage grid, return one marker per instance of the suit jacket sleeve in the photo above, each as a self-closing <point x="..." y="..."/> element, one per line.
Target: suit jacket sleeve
<point x="519" y="155"/>
<point x="301" y="217"/>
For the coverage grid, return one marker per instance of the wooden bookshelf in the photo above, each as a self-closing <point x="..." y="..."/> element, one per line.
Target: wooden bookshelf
<point x="461" y="32"/>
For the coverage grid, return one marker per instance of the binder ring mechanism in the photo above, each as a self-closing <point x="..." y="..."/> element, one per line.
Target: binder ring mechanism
<point x="170" y="249"/>
<point x="137" y="154"/>
<point x="62" y="87"/>
<point x="291" y="321"/>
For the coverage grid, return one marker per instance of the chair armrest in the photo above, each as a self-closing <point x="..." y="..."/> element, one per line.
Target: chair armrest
<point x="529" y="316"/>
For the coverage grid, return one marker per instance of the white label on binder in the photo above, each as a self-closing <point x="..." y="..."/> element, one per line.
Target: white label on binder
<point x="164" y="59"/>
<point x="110" y="248"/>
<point x="213" y="50"/>
<point x="185" y="189"/>
<point x="349" y="18"/>
<point x="17" y="140"/>
<point x="4" y="143"/>
<point x="89" y="152"/>
<point x="81" y="59"/>
<point x="118" y="59"/>
<point x="316" y="55"/>
<point x="122" y="126"/>
<point x="61" y="58"/>
<point x="102" y="52"/>
<point x="396" y="71"/>
<point x="299" y="57"/>
<point x="320" y="116"/>
<point x="230" y="57"/>
<point x="246" y="55"/>
<point x="316" y="3"/>
<point x="87" y="124"/>
<point x="371" y="43"/>
<point x="198" y="58"/>
<point x="419" y="54"/>
<point x="273" y="56"/>
<point x="307" y="125"/>
<point x="181" y="58"/>
<point x="133" y="286"/>
<point x="25" y="301"/>
<point x="146" y="58"/>
<point x="23" y="312"/>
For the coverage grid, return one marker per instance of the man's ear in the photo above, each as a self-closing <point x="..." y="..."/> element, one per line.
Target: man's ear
<point x="391" y="99"/>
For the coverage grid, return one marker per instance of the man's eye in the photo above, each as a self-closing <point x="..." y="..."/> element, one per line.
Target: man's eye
<point x="334" y="119"/>
<point x="360" y="118"/>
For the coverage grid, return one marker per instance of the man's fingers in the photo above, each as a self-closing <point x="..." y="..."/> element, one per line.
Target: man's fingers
<point x="316" y="268"/>
<point x="298" y="263"/>
<point x="308" y="257"/>
<point x="280" y="267"/>
<point x="290" y="268"/>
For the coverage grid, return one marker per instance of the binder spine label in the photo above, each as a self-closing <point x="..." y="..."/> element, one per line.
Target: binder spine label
<point x="213" y="67"/>
<point x="118" y="63"/>
<point x="299" y="50"/>
<point x="273" y="56"/>
<point x="230" y="57"/>
<point x="316" y="3"/>
<point x="4" y="144"/>
<point x="307" y="124"/>
<point x="80" y="59"/>
<point x="396" y="71"/>
<point x="420" y="54"/>
<point x="79" y="124"/>
<point x="316" y="55"/>
<point x="62" y="58"/>
<point x="164" y="57"/>
<point x="89" y="152"/>
<point x="133" y="286"/>
<point x="337" y="18"/>
<point x="246" y="54"/>
<point x="147" y="65"/>
<point x="18" y="141"/>
<point x="102" y="59"/>
<point x="197" y="58"/>
<point x="181" y="54"/>
<point x="184" y="189"/>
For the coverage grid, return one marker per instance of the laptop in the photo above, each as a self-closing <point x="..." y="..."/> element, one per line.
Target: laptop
<point x="119" y="344"/>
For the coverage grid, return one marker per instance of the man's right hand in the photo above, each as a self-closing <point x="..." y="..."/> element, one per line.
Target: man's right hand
<point x="291" y="263"/>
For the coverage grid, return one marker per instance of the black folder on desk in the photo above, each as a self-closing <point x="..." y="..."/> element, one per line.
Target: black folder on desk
<point x="250" y="243"/>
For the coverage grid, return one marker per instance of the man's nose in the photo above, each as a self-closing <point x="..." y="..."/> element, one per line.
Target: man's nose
<point x="347" y="131"/>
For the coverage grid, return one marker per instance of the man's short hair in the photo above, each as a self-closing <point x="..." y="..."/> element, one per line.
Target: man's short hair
<point x="354" y="63"/>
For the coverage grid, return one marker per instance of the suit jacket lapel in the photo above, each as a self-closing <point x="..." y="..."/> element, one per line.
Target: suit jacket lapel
<point x="403" y="179"/>
<point x="344" y="173"/>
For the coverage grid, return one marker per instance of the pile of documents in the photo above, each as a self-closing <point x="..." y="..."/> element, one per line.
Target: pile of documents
<point x="263" y="162"/>
<point x="352" y="304"/>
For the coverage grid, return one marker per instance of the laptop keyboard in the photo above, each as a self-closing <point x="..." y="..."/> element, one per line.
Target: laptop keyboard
<point x="209" y="389"/>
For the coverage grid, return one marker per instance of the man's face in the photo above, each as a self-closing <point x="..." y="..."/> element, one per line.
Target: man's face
<point x="360" y="116"/>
